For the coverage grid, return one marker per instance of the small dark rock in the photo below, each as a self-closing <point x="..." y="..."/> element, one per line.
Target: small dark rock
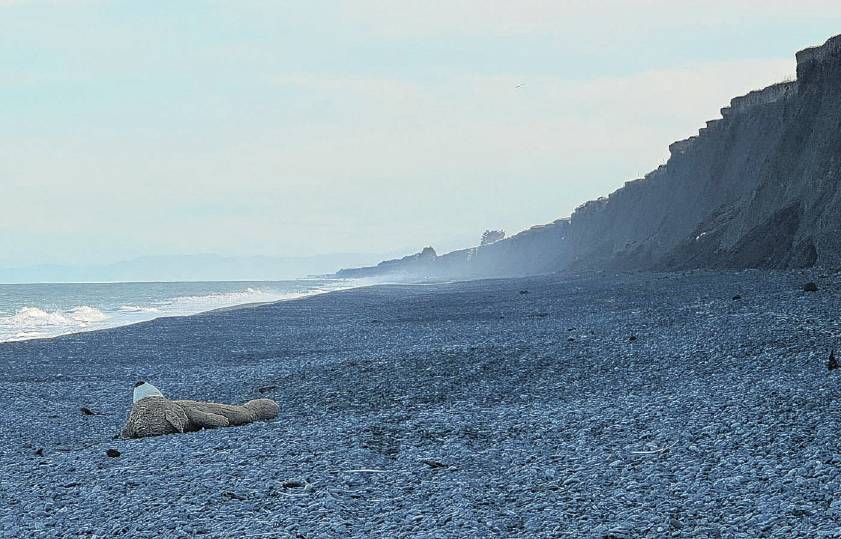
<point x="523" y="292"/>
<point x="675" y="524"/>
<point x="832" y="362"/>
<point x="571" y="339"/>
<point x="113" y="453"/>
<point x="810" y="287"/>
<point x="39" y="452"/>
<point x="632" y="338"/>
<point x="434" y="464"/>
<point x="293" y="484"/>
<point x="87" y="411"/>
<point x="266" y="389"/>
<point x="737" y="297"/>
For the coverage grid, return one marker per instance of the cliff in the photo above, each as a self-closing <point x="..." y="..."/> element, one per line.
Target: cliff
<point x="756" y="188"/>
<point x="417" y="264"/>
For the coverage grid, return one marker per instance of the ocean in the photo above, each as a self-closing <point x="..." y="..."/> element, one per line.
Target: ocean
<point x="35" y="311"/>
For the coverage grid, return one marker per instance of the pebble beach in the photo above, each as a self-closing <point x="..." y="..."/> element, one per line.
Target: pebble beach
<point x="600" y="406"/>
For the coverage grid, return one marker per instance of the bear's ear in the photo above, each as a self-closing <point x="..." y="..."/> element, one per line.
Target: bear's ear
<point x="139" y="383"/>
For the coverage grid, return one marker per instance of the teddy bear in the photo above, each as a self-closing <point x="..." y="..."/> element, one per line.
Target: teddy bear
<point x="153" y="414"/>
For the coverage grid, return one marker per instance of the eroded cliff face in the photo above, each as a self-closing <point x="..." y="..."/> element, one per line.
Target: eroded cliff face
<point x="788" y="214"/>
<point x="758" y="188"/>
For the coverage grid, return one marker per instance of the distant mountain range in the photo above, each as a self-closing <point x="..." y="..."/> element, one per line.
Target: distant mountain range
<point x="190" y="268"/>
<point x="759" y="187"/>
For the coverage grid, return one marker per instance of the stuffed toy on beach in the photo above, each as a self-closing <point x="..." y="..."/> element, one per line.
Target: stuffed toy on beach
<point x="153" y="414"/>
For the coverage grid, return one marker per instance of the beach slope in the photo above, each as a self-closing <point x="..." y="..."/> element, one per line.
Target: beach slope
<point x="506" y="408"/>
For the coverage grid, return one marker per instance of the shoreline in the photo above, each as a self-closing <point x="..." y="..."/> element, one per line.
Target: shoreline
<point x="136" y="314"/>
<point x="395" y="281"/>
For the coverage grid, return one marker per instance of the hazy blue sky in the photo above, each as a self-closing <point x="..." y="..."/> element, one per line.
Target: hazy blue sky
<point x="294" y="128"/>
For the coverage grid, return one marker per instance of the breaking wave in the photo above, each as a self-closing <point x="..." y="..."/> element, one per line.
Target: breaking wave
<point x="34" y="323"/>
<point x="229" y="299"/>
<point x="87" y="315"/>
<point x="133" y="309"/>
<point x="28" y="317"/>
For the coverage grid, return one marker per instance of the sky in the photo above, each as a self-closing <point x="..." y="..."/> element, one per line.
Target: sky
<point x="296" y="128"/>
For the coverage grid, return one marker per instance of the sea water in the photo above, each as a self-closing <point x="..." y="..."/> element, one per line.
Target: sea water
<point x="33" y="311"/>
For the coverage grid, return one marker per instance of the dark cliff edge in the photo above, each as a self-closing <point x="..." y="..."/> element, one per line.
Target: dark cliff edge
<point x="756" y="188"/>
